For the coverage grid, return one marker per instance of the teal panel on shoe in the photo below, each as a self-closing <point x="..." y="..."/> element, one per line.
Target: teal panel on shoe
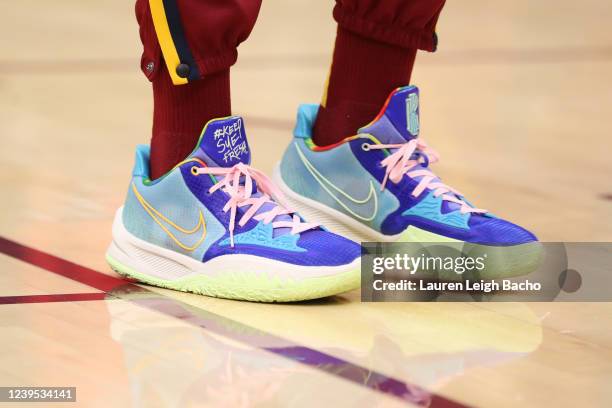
<point x="328" y="177"/>
<point x="141" y="162"/>
<point x="306" y="116"/>
<point x="167" y="214"/>
<point x="263" y="235"/>
<point x="431" y="208"/>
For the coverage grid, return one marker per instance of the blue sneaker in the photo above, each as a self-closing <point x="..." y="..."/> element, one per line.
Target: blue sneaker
<point x="211" y="226"/>
<point x="378" y="186"/>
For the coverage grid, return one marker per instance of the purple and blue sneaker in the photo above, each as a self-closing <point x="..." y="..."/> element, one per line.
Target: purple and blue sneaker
<point x="378" y="186"/>
<point x="213" y="226"/>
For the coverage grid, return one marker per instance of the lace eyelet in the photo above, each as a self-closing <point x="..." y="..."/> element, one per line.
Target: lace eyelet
<point x="194" y="170"/>
<point x="425" y="162"/>
<point x="365" y="147"/>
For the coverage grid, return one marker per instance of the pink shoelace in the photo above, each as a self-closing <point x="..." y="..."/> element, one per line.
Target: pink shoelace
<point x="401" y="162"/>
<point x="241" y="196"/>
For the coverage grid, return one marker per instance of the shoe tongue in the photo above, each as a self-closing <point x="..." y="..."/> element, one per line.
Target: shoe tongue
<point x="223" y="143"/>
<point x="398" y="120"/>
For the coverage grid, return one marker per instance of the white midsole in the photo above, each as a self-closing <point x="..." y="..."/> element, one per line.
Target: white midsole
<point x="332" y="219"/>
<point x="167" y="264"/>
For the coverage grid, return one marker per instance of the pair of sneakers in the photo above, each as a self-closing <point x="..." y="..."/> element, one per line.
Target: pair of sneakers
<point x="216" y="226"/>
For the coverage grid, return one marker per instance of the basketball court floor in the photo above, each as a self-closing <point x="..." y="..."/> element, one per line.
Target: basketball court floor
<point x="517" y="101"/>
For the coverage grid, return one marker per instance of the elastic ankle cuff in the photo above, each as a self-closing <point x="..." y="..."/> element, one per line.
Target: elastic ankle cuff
<point x="390" y="33"/>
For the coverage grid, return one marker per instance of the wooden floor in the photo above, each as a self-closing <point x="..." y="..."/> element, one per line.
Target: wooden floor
<point x="518" y="102"/>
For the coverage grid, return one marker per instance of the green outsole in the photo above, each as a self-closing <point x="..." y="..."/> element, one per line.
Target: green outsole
<point x="247" y="286"/>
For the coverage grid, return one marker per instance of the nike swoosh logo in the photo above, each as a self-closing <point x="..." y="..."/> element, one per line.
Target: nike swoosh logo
<point x="355" y="204"/>
<point x="160" y="219"/>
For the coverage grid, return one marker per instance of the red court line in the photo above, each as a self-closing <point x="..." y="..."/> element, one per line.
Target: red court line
<point x="221" y="325"/>
<point x="60" y="297"/>
<point x="60" y="266"/>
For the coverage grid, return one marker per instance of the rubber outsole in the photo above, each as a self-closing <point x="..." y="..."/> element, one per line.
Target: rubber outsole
<point x="241" y="277"/>
<point x="244" y="286"/>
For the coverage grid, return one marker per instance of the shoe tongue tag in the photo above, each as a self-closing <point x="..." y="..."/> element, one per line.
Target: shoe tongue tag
<point x="224" y="142"/>
<point x="398" y="121"/>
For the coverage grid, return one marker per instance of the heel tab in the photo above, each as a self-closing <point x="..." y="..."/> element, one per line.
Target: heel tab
<point x="306" y="116"/>
<point x="141" y="161"/>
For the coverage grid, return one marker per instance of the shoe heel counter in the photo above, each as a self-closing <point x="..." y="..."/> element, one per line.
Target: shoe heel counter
<point x="141" y="162"/>
<point x="288" y="164"/>
<point x="130" y="209"/>
<point x="140" y="174"/>
<point x="306" y="116"/>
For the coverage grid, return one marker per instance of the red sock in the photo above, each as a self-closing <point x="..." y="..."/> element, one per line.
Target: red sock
<point x="363" y="73"/>
<point x="179" y="114"/>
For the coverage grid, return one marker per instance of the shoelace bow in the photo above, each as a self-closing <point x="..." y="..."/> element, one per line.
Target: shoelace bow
<point x="402" y="162"/>
<point x="241" y="196"/>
